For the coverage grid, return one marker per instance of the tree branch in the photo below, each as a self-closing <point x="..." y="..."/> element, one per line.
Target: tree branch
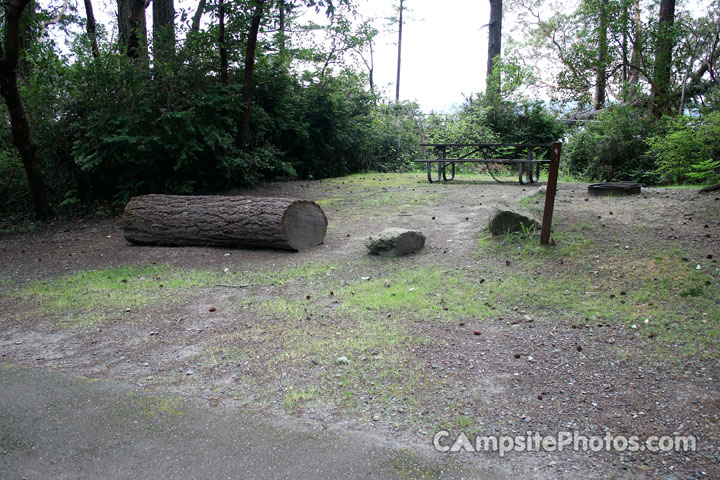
<point x="47" y="23"/>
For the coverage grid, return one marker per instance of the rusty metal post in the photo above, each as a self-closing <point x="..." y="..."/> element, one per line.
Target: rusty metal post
<point x="550" y="193"/>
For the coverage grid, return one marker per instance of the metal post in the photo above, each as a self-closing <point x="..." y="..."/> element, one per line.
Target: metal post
<point x="550" y="193"/>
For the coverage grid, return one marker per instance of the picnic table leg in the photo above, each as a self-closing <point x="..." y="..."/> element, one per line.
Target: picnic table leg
<point x="452" y="170"/>
<point x="441" y="167"/>
<point x="526" y="168"/>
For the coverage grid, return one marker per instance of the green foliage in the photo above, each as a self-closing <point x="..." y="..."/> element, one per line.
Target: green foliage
<point x="687" y="149"/>
<point x="483" y="120"/>
<point x="397" y="134"/>
<point x="13" y="184"/>
<point x="170" y="129"/>
<point x="612" y="147"/>
<point x="523" y="121"/>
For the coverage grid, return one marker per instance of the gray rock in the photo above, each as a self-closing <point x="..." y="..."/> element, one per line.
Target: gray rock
<point x="510" y="217"/>
<point x="396" y="242"/>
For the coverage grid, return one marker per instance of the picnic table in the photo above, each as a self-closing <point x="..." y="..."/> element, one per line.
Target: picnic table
<point x="527" y="156"/>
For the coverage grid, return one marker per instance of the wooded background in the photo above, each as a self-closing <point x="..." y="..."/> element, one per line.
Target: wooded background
<point x="169" y="100"/>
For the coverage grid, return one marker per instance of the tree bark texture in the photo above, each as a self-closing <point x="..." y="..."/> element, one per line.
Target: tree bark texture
<point x="663" y="59"/>
<point x="601" y="69"/>
<point x="399" y="55"/>
<point x="18" y="119"/>
<point x="163" y="27"/>
<point x="91" y="28"/>
<point x="198" y="16"/>
<point x="636" y="55"/>
<point x="174" y="220"/>
<point x="132" y="26"/>
<point x="492" y="82"/>
<point x="249" y="70"/>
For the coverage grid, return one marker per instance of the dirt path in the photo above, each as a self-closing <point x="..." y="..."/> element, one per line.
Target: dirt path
<point x="471" y="334"/>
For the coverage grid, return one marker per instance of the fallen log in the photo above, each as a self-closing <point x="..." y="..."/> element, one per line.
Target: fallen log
<point x="175" y="220"/>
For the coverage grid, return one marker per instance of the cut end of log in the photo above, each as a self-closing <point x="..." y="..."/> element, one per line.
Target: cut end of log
<point x="305" y="225"/>
<point x="175" y="220"/>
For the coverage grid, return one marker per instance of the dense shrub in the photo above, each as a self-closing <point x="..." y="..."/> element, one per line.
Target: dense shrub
<point x="128" y="129"/>
<point x="687" y="149"/>
<point x="611" y="147"/>
<point x="522" y="122"/>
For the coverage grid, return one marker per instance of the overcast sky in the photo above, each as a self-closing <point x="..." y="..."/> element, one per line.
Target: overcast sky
<point x="444" y="50"/>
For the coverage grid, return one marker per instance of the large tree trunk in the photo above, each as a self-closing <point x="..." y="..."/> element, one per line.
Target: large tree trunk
<point x="249" y="70"/>
<point x="18" y="120"/>
<point x="163" y="28"/>
<point x="492" y="81"/>
<point x="171" y="220"/>
<point x="132" y="26"/>
<point x="663" y="59"/>
<point x="27" y="35"/>
<point x="91" y="28"/>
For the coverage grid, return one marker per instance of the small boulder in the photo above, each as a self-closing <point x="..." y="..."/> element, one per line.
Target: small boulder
<point x="509" y="217"/>
<point x="395" y="242"/>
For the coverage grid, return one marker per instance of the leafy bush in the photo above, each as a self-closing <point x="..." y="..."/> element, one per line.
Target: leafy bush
<point x="612" y="147"/>
<point x="522" y="122"/>
<point x="687" y="149"/>
<point x="13" y="184"/>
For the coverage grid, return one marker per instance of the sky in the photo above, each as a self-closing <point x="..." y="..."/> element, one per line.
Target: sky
<point x="444" y="50"/>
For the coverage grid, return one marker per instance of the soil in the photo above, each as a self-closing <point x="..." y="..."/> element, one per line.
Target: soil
<point x="506" y="373"/>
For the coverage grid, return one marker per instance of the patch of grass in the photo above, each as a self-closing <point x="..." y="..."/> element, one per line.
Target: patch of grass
<point x="153" y="406"/>
<point x="381" y="362"/>
<point x="297" y="396"/>
<point x="281" y="275"/>
<point x="463" y="421"/>
<point x="375" y="180"/>
<point x="571" y="242"/>
<point x="661" y="297"/>
<point x="377" y="190"/>
<point x="91" y="297"/>
<point x="423" y="292"/>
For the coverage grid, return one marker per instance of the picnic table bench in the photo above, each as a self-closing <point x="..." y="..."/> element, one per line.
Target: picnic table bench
<point x="533" y="155"/>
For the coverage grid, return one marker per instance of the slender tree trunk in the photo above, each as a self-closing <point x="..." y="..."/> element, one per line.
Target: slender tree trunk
<point x="249" y="70"/>
<point x="492" y="80"/>
<point x="163" y="28"/>
<point x="399" y="55"/>
<point x="198" y="16"/>
<point x="18" y="119"/>
<point x="91" y="28"/>
<point x="371" y="69"/>
<point x="636" y="55"/>
<point x="281" y="27"/>
<point x="221" y="43"/>
<point x="601" y="69"/>
<point x="663" y="59"/>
